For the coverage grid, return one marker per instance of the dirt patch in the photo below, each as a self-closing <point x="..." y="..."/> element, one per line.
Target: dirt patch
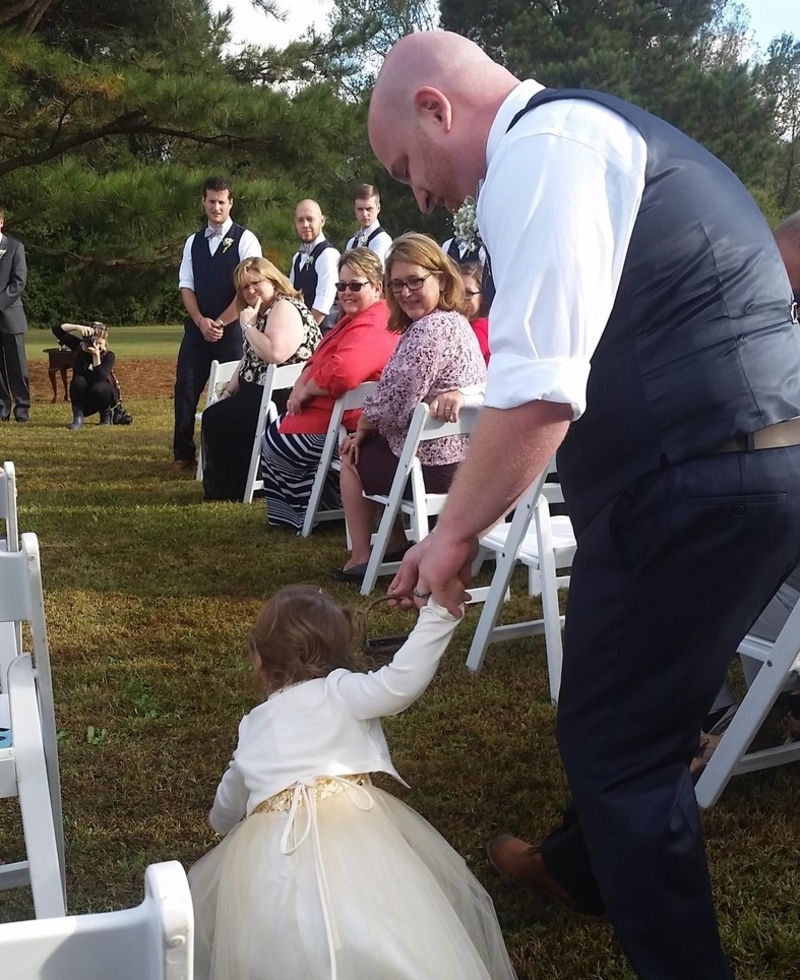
<point x="138" y="377"/>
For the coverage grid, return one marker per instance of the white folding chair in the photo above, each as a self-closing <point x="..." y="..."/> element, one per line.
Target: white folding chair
<point x="221" y="373"/>
<point x="279" y="377"/>
<point x="422" y="504"/>
<point x="29" y="764"/>
<point x="9" y="541"/>
<point x="152" y="941"/>
<point x="8" y="507"/>
<point x="329" y="460"/>
<point x="777" y="666"/>
<point x="546" y="546"/>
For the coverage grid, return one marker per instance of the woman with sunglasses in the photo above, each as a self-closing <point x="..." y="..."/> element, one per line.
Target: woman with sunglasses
<point x="355" y="351"/>
<point x="277" y="328"/>
<point x="437" y="353"/>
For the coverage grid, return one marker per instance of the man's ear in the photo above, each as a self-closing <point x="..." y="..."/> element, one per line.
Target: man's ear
<point x="432" y="104"/>
<point x="322" y="223"/>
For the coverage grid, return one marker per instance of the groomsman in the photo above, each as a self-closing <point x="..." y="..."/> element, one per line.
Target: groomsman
<point x="315" y="264"/>
<point x="459" y="251"/>
<point x="14" y="384"/>
<point x="211" y="327"/>
<point x="367" y="205"/>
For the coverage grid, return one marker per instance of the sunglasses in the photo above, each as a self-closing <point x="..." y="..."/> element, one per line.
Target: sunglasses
<point x="354" y="287"/>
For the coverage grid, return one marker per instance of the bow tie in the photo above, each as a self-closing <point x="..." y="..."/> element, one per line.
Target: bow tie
<point x="213" y="233"/>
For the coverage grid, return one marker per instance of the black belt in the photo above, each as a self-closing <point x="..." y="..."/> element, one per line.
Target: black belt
<point x="771" y="437"/>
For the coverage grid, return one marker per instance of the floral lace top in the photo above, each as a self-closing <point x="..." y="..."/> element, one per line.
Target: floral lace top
<point x="437" y="353"/>
<point x="253" y="369"/>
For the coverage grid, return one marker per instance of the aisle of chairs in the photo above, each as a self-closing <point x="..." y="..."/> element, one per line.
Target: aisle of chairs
<point x="153" y="941"/>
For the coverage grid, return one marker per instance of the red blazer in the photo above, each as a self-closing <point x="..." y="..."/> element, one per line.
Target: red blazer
<point x="481" y="328"/>
<point x="356" y="350"/>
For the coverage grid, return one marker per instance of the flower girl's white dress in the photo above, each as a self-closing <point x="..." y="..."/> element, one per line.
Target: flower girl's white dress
<point x="327" y="875"/>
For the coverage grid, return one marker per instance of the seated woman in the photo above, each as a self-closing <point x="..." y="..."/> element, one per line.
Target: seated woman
<point x="277" y="328"/>
<point x="477" y="311"/>
<point x="437" y="353"/>
<point x="92" y="388"/>
<point x="355" y="351"/>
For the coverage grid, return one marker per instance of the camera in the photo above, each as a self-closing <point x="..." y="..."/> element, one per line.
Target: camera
<point x="90" y="343"/>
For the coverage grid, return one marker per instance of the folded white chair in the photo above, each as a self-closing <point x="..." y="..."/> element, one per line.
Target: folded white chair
<point x="422" y="504"/>
<point x="29" y="765"/>
<point x="544" y="544"/>
<point x="8" y="507"/>
<point x="778" y="667"/>
<point x="153" y="941"/>
<point x="9" y="541"/>
<point x="220" y="374"/>
<point x="279" y="377"/>
<point x="329" y="460"/>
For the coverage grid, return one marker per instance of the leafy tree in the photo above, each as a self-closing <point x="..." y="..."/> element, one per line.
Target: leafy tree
<point x="110" y="121"/>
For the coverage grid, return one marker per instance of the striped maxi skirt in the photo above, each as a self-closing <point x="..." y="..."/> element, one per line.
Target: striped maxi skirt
<point x="289" y="464"/>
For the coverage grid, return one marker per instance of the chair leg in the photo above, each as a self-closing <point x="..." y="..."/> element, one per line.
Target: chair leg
<point x="34" y="793"/>
<point x="498" y="592"/>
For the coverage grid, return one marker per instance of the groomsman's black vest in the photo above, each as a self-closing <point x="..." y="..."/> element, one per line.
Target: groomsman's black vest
<point x="305" y="276"/>
<point x="372" y="235"/>
<point x="700" y="345"/>
<point x="213" y="274"/>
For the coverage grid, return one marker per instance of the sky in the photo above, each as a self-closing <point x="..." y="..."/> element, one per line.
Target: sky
<point x="768" y="18"/>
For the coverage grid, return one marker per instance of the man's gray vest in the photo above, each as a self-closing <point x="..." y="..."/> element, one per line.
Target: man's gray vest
<point x="700" y="345"/>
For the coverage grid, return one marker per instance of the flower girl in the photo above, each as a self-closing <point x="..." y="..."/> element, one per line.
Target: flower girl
<point x="328" y="876"/>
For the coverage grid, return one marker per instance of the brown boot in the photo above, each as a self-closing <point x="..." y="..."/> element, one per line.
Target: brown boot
<point x="523" y="863"/>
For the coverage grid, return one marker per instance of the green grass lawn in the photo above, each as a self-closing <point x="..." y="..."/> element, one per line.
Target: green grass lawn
<point x="149" y="596"/>
<point x="147" y="341"/>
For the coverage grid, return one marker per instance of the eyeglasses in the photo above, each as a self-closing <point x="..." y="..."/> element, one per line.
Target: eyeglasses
<point x="252" y="285"/>
<point x="413" y="284"/>
<point x="354" y="287"/>
<point x="472" y="292"/>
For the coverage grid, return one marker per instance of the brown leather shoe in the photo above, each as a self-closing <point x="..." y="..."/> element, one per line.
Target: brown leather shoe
<point x="184" y="464"/>
<point x="523" y="863"/>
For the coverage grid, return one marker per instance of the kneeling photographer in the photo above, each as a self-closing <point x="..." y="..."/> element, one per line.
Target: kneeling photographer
<point x="93" y="388"/>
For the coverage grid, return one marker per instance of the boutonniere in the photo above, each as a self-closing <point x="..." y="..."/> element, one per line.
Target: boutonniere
<point x="226" y="244"/>
<point x="465" y="224"/>
<point x="362" y="241"/>
<point x="3" y="252"/>
<point x="309" y="261"/>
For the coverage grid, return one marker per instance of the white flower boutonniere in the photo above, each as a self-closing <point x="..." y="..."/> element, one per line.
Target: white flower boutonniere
<point x="309" y="261"/>
<point x="3" y="252"/>
<point x="465" y="224"/>
<point x="226" y="244"/>
<point x="362" y="241"/>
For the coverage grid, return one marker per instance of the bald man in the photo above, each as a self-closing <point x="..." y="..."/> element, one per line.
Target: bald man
<point x="643" y="312"/>
<point x="315" y="265"/>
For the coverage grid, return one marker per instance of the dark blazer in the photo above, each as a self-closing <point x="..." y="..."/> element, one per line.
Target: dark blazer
<point x="13" y="275"/>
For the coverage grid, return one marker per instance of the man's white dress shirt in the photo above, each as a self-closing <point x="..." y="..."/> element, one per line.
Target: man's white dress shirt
<point x="327" y="266"/>
<point x="249" y="248"/>
<point x="556" y="212"/>
<point x="380" y="243"/>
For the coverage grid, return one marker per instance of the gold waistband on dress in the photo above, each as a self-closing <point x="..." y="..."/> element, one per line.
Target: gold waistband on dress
<point x="322" y="788"/>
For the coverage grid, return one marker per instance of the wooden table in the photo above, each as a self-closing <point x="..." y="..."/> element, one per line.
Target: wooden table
<point x="61" y="359"/>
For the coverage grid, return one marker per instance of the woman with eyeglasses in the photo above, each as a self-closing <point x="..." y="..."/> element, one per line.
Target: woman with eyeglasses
<point x="437" y="353"/>
<point x="355" y="351"/>
<point x="277" y="328"/>
<point x="477" y="309"/>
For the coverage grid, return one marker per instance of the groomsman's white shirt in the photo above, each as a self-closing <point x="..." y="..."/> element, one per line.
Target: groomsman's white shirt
<point x="463" y="252"/>
<point x="249" y="248"/>
<point x="327" y="266"/>
<point x="379" y="244"/>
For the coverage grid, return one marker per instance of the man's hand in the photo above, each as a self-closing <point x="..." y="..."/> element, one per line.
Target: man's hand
<point x="437" y="567"/>
<point x="210" y="329"/>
